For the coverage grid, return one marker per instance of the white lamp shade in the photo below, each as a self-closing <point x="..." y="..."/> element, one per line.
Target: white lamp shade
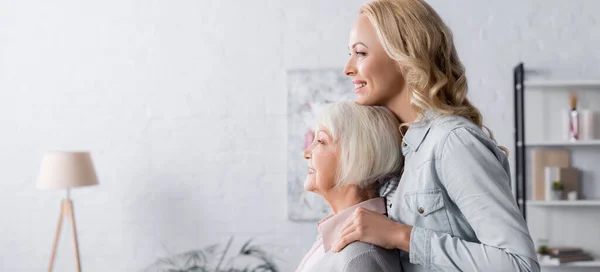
<point x="60" y="170"/>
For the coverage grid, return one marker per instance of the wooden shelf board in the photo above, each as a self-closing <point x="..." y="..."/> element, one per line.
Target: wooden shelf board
<point x="563" y="203"/>
<point x="564" y="143"/>
<point x="565" y="84"/>
<point x="574" y="264"/>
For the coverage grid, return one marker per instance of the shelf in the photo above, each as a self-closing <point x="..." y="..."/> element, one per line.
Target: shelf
<point x="563" y="203"/>
<point x="562" y="84"/>
<point x="563" y="143"/>
<point x="573" y="264"/>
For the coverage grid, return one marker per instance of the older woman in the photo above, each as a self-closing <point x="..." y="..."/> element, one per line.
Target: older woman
<point x="355" y="147"/>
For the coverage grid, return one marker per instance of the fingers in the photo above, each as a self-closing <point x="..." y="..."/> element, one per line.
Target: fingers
<point x="347" y="224"/>
<point x="348" y="232"/>
<point x="350" y="236"/>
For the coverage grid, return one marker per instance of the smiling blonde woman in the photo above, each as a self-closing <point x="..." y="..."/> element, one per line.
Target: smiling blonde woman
<point x="355" y="148"/>
<point x="452" y="209"/>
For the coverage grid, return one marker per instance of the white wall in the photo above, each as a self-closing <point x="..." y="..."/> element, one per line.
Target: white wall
<point x="183" y="105"/>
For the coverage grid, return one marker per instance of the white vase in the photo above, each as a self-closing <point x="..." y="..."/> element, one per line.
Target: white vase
<point x="557" y="194"/>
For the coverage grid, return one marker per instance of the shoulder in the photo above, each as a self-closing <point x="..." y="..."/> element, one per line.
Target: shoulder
<point x="444" y="125"/>
<point x="462" y="144"/>
<point x="354" y="249"/>
<point x="364" y="257"/>
<point x="458" y="133"/>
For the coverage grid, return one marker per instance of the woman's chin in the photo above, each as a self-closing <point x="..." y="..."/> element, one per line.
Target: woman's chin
<point x="362" y="99"/>
<point x="309" y="183"/>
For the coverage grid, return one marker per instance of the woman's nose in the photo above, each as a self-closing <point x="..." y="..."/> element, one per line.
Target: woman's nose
<point x="306" y="154"/>
<point x="349" y="70"/>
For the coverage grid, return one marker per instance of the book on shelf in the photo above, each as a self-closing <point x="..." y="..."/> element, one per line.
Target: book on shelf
<point x="565" y="260"/>
<point x="562" y="255"/>
<point x="564" y="250"/>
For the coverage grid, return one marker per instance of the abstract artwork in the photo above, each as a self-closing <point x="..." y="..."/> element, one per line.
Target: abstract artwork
<point x="308" y="92"/>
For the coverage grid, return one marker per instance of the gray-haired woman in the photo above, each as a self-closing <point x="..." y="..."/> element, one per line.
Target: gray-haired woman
<point x="354" y="147"/>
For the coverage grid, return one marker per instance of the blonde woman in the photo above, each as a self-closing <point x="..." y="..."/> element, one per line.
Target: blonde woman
<point x="355" y="147"/>
<point x="452" y="209"/>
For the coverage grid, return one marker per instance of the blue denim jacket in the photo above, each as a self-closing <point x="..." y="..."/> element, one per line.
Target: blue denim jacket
<point x="455" y="192"/>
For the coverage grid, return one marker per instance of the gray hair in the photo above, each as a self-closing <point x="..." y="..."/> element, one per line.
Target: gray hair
<point x="369" y="138"/>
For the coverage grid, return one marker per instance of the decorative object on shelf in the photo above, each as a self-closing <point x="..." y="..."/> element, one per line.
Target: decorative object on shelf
<point x="542" y="158"/>
<point x="587" y="128"/>
<point x="572" y="196"/>
<point x="557" y="190"/>
<point x="66" y="170"/>
<point x="249" y="258"/>
<point x="574" y="118"/>
<point x="543" y="250"/>
<point x="585" y="125"/>
<point x="550" y="177"/>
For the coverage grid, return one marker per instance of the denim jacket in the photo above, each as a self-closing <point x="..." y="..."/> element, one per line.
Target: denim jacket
<point x="455" y="192"/>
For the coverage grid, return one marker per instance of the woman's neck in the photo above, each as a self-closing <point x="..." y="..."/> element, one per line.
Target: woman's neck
<point x="341" y="198"/>
<point x="401" y="107"/>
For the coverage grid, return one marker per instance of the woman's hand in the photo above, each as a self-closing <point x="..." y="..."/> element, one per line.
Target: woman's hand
<point x="373" y="228"/>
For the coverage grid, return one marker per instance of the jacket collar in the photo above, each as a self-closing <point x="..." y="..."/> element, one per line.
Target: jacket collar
<point x="417" y="131"/>
<point x="330" y="226"/>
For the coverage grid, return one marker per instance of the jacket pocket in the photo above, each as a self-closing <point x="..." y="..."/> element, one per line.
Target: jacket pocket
<point x="428" y="208"/>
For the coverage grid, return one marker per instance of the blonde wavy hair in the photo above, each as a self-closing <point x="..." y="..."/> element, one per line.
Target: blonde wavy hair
<point x="415" y="36"/>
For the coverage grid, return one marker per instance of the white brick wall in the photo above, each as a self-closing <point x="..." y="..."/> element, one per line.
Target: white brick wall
<point x="183" y="105"/>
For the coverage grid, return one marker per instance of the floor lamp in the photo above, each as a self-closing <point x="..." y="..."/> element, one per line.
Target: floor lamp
<point x="66" y="170"/>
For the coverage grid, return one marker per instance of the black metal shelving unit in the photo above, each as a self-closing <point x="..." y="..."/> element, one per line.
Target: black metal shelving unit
<point x="521" y="149"/>
<point x="519" y="106"/>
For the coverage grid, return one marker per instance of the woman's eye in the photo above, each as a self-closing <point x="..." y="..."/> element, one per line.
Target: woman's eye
<point x="361" y="54"/>
<point x="320" y="141"/>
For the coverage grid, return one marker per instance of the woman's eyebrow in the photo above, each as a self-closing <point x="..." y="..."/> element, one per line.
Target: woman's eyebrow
<point x="355" y="44"/>
<point x="324" y="131"/>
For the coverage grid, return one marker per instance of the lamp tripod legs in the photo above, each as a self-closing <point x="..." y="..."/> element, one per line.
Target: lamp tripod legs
<point x="56" y="235"/>
<point x="66" y="209"/>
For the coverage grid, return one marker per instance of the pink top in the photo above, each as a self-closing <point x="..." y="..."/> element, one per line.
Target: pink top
<point x="329" y="228"/>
